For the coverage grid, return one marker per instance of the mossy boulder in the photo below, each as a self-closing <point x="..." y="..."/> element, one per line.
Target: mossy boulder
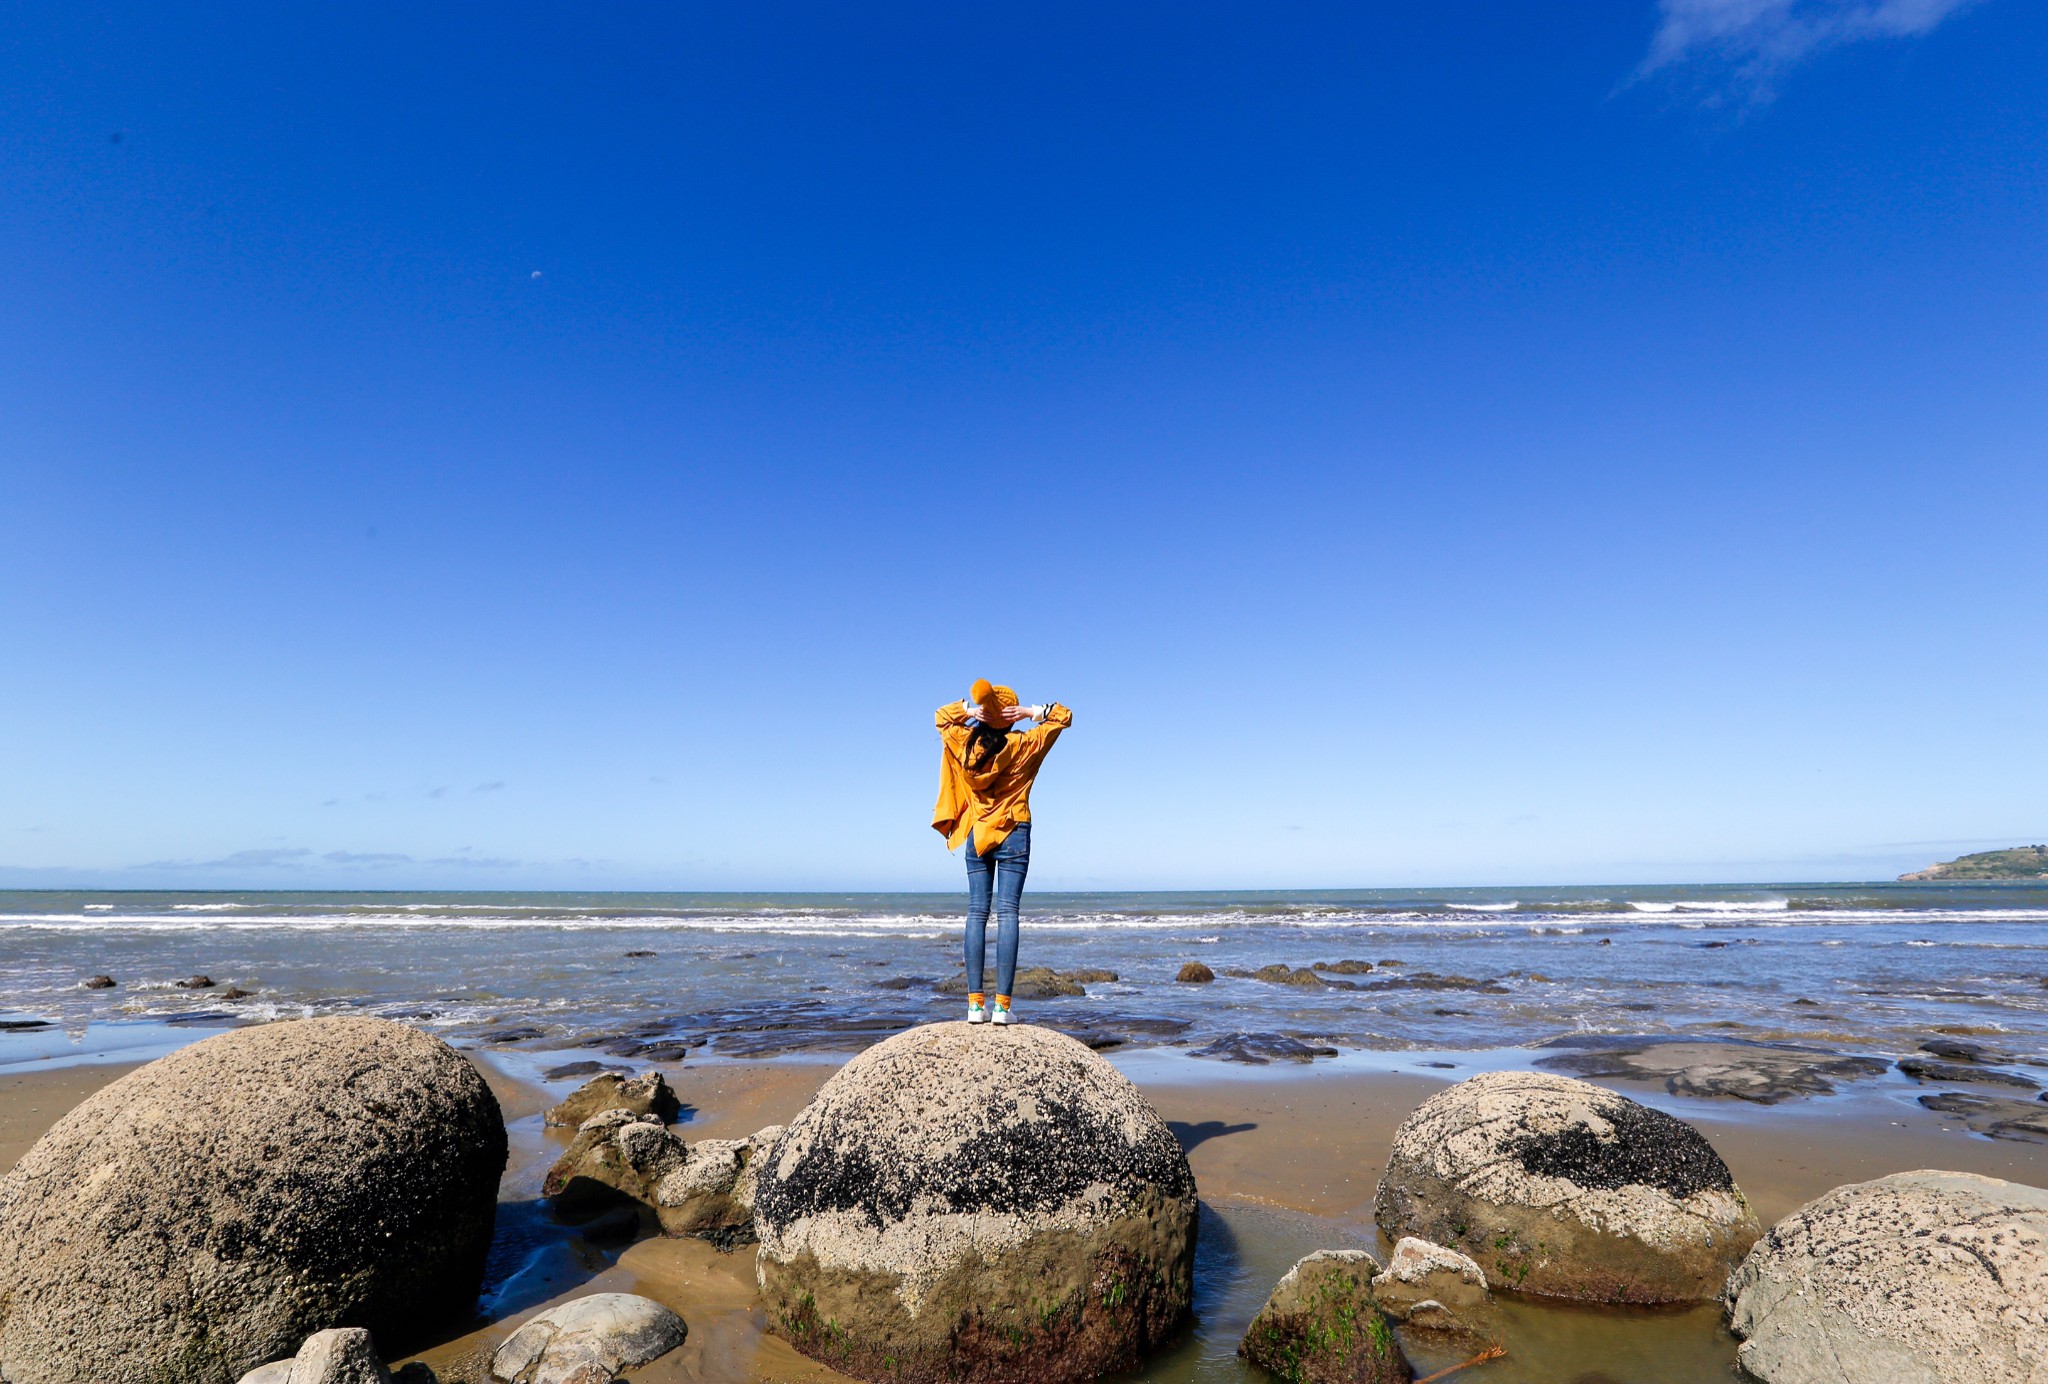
<point x="1323" y="1325"/>
<point x="977" y="1204"/>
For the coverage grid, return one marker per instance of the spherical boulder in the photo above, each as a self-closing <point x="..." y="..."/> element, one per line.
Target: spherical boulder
<point x="1564" y="1189"/>
<point x="206" y="1213"/>
<point x="977" y="1204"/>
<point x="1916" y="1278"/>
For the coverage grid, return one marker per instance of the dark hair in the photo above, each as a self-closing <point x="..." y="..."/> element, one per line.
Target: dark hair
<point x="988" y="739"/>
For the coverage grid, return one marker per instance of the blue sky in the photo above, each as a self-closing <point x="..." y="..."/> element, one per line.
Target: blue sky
<point x="577" y="446"/>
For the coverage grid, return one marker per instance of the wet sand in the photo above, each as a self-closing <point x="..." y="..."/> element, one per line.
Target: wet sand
<point x="1286" y="1163"/>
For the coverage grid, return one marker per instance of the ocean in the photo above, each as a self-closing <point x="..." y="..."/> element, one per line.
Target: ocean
<point x="1852" y="966"/>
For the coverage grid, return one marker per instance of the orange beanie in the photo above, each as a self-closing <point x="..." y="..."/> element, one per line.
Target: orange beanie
<point x="990" y="699"/>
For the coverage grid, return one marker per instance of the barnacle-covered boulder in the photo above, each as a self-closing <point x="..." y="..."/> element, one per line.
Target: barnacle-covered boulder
<point x="1565" y="1189"/>
<point x="208" y="1212"/>
<point x="977" y="1204"/>
<point x="1917" y="1278"/>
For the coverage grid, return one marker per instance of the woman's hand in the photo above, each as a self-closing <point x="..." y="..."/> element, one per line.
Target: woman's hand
<point x="1014" y="714"/>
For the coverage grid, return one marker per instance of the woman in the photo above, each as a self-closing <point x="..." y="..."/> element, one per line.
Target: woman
<point x="985" y="774"/>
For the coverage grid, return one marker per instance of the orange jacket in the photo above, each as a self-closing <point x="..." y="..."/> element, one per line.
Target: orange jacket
<point x="996" y="796"/>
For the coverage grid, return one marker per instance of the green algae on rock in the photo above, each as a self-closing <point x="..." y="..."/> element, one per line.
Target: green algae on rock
<point x="981" y="1204"/>
<point x="1323" y="1325"/>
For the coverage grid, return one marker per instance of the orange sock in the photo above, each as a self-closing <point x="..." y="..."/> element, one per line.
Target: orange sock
<point x="975" y="997"/>
<point x="1002" y="1002"/>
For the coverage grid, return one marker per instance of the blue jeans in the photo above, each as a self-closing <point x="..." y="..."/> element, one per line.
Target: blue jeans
<point x="1000" y="872"/>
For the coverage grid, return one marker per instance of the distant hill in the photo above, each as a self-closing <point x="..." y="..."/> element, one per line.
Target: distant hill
<point x="2020" y="862"/>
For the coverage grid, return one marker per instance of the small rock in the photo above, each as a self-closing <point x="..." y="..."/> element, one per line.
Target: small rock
<point x="1344" y="968"/>
<point x="1089" y="976"/>
<point x="588" y="1340"/>
<point x="235" y="992"/>
<point x="1422" y="1274"/>
<point x="1762" y="1073"/>
<point x="667" y="1050"/>
<point x="632" y="954"/>
<point x="98" y="982"/>
<point x="276" y="1372"/>
<point x="903" y="982"/>
<point x="1607" y="941"/>
<point x="23" y="1025"/>
<point x="512" y="1035"/>
<point x="196" y="983"/>
<point x="1994" y="1117"/>
<point x="1032" y="983"/>
<point x="1261" y="1048"/>
<point x="1323" y="1325"/>
<point x="1390" y="961"/>
<point x="1280" y="973"/>
<point x="1195" y="973"/>
<point x="644" y="1095"/>
<point x="584" y="1068"/>
<point x="1922" y="1069"/>
<point x="705" y="1189"/>
<point x="343" y="1355"/>
<point x="1934" y="1277"/>
<point x="1958" y="1050"/>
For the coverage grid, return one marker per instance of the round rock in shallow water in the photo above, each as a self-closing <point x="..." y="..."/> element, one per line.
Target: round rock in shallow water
<point x="1322" y="1324"/>
<point x="208" y="1212"/>
<point x="977" y="1204"/>
<point x="1916" y="1278"/>
<point x="1565" y="1189"/>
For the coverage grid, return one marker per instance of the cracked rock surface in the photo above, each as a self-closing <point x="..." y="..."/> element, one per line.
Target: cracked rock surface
<point x="1559" y="1188"/>
<point x="977" y="1203"/>
<point x="1917" y="1278"/>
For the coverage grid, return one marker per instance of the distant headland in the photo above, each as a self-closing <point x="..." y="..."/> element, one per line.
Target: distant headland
<point x="2018" y="862"/>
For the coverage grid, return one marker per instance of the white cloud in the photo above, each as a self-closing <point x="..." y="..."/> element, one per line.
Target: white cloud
<point x="1756" y="41"/>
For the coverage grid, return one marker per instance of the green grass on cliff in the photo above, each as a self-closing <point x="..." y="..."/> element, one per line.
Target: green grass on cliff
<point x="2019" y="862"/>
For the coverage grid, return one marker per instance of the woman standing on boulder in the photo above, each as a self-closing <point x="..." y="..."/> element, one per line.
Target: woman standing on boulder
<point x="985" y="774"/>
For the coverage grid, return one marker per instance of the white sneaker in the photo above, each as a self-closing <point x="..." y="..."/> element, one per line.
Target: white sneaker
<point x="1001" y="1017"/>
<point x="976" y="1014"/>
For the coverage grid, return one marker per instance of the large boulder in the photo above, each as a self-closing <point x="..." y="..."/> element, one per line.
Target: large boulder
<point x="1564" y="1189"/>
<point x="977" y="1204"/>
<point x="208" y="1212"/>
<point x="1322" y="1324"/>
<point x="1916" y="1278"/>
<point x="588" y="1340"/>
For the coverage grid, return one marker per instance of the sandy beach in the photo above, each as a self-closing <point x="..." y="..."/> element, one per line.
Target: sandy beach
<point x="1286" y="1162"/>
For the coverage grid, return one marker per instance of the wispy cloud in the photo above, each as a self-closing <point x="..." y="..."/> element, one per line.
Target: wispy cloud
<point x="1743" y="47"/>
<point x="367" y="858"/>
<point x="267" y="858"/>
<point x="492" y="787"/>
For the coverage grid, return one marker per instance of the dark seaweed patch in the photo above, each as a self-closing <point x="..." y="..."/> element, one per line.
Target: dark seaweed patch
<point x="1022" y="1169"/>
<point x="1648" y="1149"/>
